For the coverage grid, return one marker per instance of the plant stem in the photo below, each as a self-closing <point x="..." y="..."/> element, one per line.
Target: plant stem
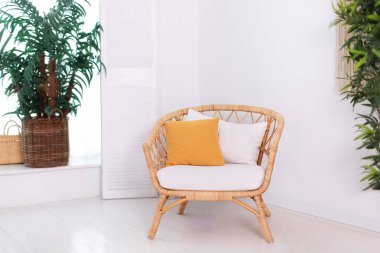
<point x="53" y="85"/>
<point x="42" y="89"/>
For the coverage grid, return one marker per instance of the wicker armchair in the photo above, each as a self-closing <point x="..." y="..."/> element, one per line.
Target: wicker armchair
<point x="155" y="153"/>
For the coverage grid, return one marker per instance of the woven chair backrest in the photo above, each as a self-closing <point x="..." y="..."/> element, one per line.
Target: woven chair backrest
<point x="231" y="113"/>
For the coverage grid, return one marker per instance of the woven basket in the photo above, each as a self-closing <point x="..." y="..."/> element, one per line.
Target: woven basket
<point x="45" y="142"/>
<point x="10" y="145"/>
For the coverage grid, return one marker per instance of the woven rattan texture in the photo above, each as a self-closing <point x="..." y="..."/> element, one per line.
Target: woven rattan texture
<point x="155" y="151"/>
<point x="10" y="145"/>
<point x="45" y="142"/>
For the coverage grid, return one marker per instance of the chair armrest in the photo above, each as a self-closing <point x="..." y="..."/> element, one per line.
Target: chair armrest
<point x="155" y="155"/>
<point x="271" y="150"/>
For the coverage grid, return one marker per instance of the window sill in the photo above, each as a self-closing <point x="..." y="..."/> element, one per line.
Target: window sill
<point x="74" y="164"/>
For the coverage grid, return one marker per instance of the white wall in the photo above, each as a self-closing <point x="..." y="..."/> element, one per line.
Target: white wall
<point x="277" y="54"/>
<point x="20" y="186"/>
<point x="177" y="55"/>
<point x="280" y="54"/>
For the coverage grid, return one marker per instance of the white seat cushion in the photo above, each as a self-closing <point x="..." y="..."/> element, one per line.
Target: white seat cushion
<point x="230" y="177"/>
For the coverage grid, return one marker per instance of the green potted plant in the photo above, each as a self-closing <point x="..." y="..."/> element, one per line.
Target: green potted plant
<point x="46" y="60"/>
<point x="362" y="19"/>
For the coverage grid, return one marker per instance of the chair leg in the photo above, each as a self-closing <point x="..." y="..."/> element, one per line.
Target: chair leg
<point x="182" y="208"/>
<point x="266" y="210"/>
<point x="262" y="219"/>
<point x="157" y="216"/>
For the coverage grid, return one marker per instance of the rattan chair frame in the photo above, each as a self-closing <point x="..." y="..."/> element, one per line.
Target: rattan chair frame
<point x="155" y="154"/>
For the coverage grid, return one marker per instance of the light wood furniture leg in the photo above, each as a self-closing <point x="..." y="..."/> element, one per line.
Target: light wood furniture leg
<point x="182" y="208"/>
<point x="157" y="216"/>
<point x="266" y="209"/>
<point x="262" y="219"/>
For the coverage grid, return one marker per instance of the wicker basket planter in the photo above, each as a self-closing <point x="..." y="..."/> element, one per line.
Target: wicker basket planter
<point x="45" y="142"/>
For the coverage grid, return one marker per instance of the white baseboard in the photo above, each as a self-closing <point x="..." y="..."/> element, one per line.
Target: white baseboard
<point x="20" y="186"/>
<point x="337" y="215"/>
<point x="130" y="194"/>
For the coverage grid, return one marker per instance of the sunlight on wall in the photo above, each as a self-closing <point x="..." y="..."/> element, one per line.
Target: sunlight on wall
<point x="85" y="129"/>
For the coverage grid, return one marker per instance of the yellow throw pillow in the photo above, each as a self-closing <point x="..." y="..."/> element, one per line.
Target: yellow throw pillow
<point x="193" y="143"/>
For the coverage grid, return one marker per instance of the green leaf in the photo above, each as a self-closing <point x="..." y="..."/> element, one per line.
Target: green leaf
<point x="5" y="43"/>
<point x="48" y="110"/>
<point x="376" y="52"/>
<point x="360" y="136"/>
<point x="374" y="17"/>
<point x="360" y="63"/>
<point x="354" y="51"/>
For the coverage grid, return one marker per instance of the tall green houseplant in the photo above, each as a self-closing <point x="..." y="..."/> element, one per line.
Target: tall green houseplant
<point x="362" y="18"/>
<point x="46" y="60"/>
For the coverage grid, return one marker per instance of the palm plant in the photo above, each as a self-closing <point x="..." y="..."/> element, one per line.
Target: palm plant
<point x="47" y="59"/>
<point x="362" y="17"/>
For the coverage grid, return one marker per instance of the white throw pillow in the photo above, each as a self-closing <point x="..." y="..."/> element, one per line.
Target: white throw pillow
<point x="239" y="142"/>
<point x="194" y="115"/>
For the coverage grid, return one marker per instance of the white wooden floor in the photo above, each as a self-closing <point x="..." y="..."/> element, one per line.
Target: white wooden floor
<point x="94" y="225"/>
